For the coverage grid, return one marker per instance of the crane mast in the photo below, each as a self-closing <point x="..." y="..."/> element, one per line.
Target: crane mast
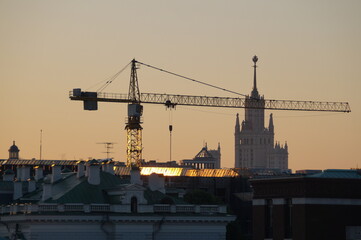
<point x="135" y="110"/>
<point x="133" y="124"/>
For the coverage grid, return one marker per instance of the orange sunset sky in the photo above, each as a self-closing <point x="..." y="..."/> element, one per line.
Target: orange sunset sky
<point x="308" y="50"/>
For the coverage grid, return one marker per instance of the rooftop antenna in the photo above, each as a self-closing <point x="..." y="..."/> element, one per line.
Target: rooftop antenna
<point x="41" y="143"/>
<point x="108" y="146"/>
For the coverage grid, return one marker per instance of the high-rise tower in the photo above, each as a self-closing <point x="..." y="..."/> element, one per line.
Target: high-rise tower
<point x="254" y="144"/>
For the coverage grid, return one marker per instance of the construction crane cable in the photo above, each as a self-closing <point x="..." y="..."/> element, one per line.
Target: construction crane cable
<point x="108" y="81"/>
<point x="112" y="78"/>
<point x="191" y="79"/>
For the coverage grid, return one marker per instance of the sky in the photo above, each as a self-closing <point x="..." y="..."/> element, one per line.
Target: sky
<point x="307" y="50"/>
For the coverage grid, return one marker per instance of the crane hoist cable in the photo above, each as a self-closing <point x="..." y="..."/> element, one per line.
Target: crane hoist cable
<point x="170" y="133"/>
<point x="191" y="79"/>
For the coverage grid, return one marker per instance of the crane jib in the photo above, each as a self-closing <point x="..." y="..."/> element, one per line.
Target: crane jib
<point x="170" y="100"/>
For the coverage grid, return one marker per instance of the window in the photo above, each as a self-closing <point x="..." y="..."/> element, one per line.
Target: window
<point x="134" y="205"/>
<point x="288" y="218"/>
<point x="268" y="219"/>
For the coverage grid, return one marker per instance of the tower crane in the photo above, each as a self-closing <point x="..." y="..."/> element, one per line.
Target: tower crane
<point x="135" y="99"/>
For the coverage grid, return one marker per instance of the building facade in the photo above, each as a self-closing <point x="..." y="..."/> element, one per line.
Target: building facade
<point x="255" y="146"/>
<point x="93" y="203"/>
<point x="325" y="205"/>
<point x="205" y="159"/>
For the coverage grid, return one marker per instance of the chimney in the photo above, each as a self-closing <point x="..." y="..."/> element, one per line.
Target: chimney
<point x="38" y="173"/>
<point x="80" y="171"/>
<point x="8" y="175"/>
<point x="104" y="167"/>
<point x="156" y="182"/>
<point x="94" y="172"/>
<point x="55" y="173"/>
<point x="47" y="189"/>
<point x="110" y="167"/>
<point x="87" y="169"/>
<point x="31" y="185"/>
<point x="18" y="190"/>
<point x="25" y="175"/>
<point x="19" y="172"/>
<point x="135" y="176"/>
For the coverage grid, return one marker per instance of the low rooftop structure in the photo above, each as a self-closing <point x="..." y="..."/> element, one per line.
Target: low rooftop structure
<point x="94" y="203"/>
<point x="205" y="159"/>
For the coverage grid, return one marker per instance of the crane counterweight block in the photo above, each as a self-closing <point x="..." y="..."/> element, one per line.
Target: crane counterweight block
<point x="90" y="99"/>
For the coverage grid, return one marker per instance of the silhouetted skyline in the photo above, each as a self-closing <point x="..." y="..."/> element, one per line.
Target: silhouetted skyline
<point x="307" y="51"/>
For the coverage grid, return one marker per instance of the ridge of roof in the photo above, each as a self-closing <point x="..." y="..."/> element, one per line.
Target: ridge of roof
<point x="84" y="192"/>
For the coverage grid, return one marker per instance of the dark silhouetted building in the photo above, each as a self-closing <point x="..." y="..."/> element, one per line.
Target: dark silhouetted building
<point x="324" y="205"/>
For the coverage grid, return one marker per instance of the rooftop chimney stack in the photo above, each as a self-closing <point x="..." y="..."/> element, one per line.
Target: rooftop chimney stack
<point x="18" y="190"/>
<point x="25" y="174"/>
<point x="38" y="173"/>
<point x="8" y="175"/>
<point x="31" y="185"/>
<point x="19" y="172"/>
<point x="47" y="189"/>
<point x="87" y="169"/>
<point x="135" y="176"/>
<point x="108" y="167"/>
<point x="156" y="182"/>
<point x="94" y="172"/>
<point x="80" y="172"/>
<point x="56" y="173"/>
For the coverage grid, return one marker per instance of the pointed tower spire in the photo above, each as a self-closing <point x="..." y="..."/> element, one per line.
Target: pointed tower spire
<point x="237" y="127"/>
<point x="255" y="91"/>
<point x="270" y="125"/>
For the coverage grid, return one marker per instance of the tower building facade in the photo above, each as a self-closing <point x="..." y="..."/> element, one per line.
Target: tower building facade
<point x="255" y="146"/>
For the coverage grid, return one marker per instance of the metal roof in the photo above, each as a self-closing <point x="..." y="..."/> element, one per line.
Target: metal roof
<point x="36" y="162"/>
<point x="75" y="190"/>
<point x="178" y="172"/>
<point x="337" y="173"/>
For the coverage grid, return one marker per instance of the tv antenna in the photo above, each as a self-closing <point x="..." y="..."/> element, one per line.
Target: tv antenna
<point x="108" y="146"/>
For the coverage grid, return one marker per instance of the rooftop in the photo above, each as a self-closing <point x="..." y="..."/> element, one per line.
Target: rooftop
<point x="337" y="173"/>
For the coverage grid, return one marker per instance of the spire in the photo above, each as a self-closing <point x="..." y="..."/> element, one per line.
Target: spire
<point x="270" y="125"/>
<point x="255" y="91"/>
<point x="237" y="128"/>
